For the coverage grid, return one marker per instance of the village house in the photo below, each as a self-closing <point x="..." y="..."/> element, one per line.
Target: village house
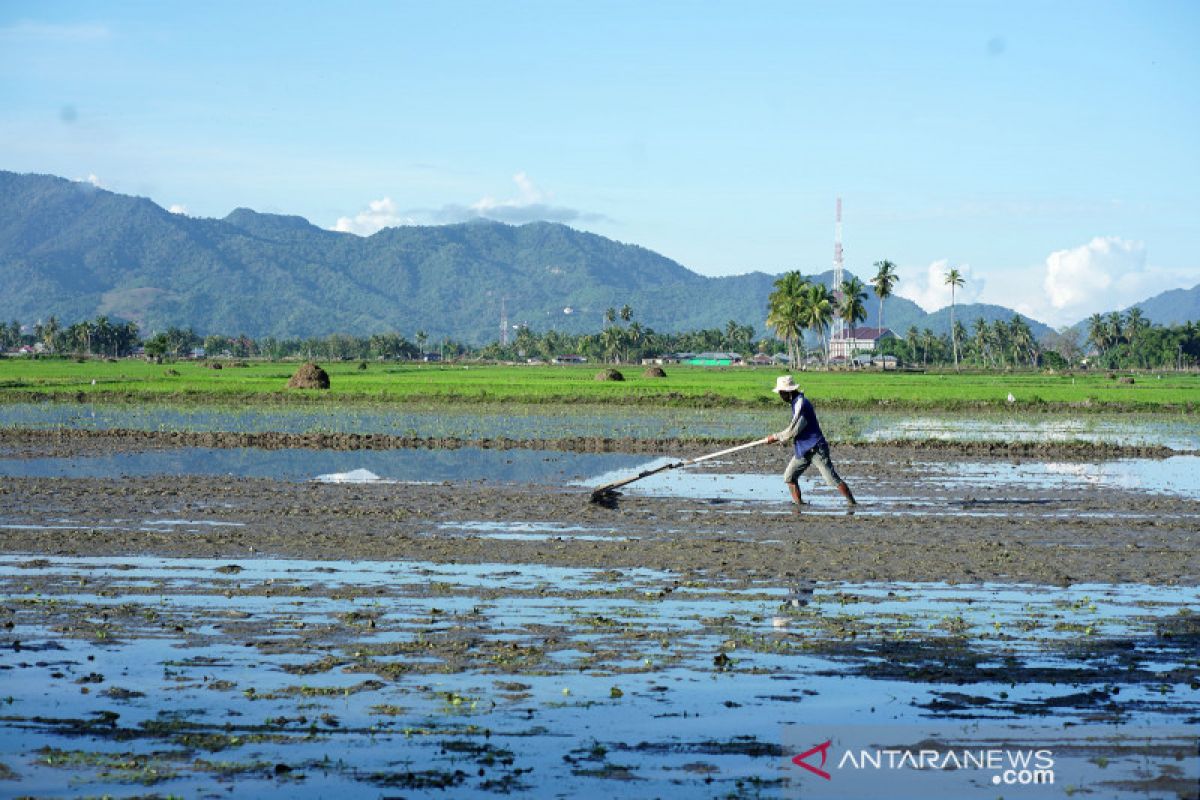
<point x="858" y="340"/>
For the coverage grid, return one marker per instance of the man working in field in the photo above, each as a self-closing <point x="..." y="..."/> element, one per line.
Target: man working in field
<point x="810" y="445"/>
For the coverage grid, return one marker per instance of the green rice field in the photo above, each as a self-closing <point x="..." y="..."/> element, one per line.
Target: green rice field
<point x="259" y="382"/>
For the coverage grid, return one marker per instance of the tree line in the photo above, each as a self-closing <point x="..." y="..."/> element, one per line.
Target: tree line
<point x="101" y="336"/>
<point x="799" y="313"/>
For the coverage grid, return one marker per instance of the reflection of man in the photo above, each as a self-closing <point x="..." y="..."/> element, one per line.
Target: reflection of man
<point x="809" y="442"/>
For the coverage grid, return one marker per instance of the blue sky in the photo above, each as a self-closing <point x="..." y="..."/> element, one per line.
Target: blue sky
<point x="1051" y="151"/>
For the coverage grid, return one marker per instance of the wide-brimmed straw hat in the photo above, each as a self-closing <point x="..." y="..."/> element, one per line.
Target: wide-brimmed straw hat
<point x="784" y="383"/>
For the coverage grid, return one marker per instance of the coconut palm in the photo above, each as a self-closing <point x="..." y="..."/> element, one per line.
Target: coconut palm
<point x="1114" y="325"/>
<point x="1002" y="341"/>
<point x="954" y="279"/>
<point x="634" y="337"/>
<point x="1022" y="340"/>
<point x="785" y="311"/>
<point x="884" y="281"/>
<point x="981" y="336"/>
<point x="817" y="312"/>
<point x="626" y="313"/>
<point x="958" y="332"/>
<point x="853" y="308"/>
<point x="912" y="338"/>
<point x="1135" y="325"/>
<point x="927" y="342"/>
<point x="1097" y="333"/>
<point x="49" y="331"/>
<point x="610" y="342"/>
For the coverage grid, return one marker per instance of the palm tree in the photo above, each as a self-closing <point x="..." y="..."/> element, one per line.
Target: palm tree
<point x="1022" y="340"/>
<point x="853" y="308"/>
<point x="1135" y="325"/>
<point x="927" y="342"/>
<point x="954" y="279"/>
<point x="981" y="338"/>
<point x="731" y="333"/>
<point x="1001" y="339"/>
<point x="626" y="313"/>
<point x="611" y="340"/>
<point x="1097" y="333"/>
<point x="785" y="312"/>
<point x="958" y="332"/>
<point x="884" y="281"/>
<point x="817" y="312"/>
<point x="1114" y="325"/>
<point x="49" y="331"/>
<point x="633" y="338"/>
<point x="912" y="338"/>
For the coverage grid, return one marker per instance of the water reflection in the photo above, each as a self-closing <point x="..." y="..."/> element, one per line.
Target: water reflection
<point x="462" y="464"/>
<point x="553" y="421"/>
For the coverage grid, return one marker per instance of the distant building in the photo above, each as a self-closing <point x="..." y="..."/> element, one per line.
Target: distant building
<point x="714" y="359"/>
<point x="885" y="362"/>
<point x="570" y="359"/>
<point x="858" y="340"/>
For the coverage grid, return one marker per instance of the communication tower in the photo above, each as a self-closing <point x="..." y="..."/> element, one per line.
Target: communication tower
<point x="503" y="322"/>
<point x="838" y="330"/>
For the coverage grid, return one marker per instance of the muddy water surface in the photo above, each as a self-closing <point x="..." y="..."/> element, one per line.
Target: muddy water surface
<point x="306" y="622"/>
<point x="306" y="678"/>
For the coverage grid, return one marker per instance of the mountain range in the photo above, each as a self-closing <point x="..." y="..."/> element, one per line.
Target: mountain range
<point x="75" y="251"/>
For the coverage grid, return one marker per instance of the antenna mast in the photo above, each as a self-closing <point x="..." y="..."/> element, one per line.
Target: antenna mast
<point x="503" y="322"/>
<point x="839" y="325"/>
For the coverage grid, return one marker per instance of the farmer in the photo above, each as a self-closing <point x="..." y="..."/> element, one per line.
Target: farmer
<point x="808" y="440"/>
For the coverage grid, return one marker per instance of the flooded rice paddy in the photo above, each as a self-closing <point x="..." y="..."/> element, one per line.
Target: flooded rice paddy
<point x="462" y="464"/>
<point x="312" y="678"/>
<point x="1177" y="431"/>
<point x="426" y="622"/>
<point x="1173" y="476"/>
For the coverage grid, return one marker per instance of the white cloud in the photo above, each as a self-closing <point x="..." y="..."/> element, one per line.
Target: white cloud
<point x="42" y="32"/>
<point x="531" y="204"/>
<point x="378" y="215"/>
<point x="1106" y="274"/>
<point x="929" y="289"/>
<point x="1079" y="278"/>
<point x="93" y="179"/>
<point x="178" y="208"/>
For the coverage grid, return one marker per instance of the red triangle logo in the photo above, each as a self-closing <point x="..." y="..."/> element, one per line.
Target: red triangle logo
<point x="823" y="749"/>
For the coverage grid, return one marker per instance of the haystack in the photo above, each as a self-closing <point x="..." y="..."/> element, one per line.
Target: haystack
<point x="654" y="372"/>
<point x="309" y="376"/>
<point x="609" y="375"/>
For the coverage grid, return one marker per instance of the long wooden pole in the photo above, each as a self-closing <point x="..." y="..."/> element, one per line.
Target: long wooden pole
<point x="600" y="491"/>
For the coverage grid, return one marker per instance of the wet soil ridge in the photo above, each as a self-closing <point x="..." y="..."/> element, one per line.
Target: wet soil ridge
<point x="1060" y="535"/>
<point x="124" y="439"/>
